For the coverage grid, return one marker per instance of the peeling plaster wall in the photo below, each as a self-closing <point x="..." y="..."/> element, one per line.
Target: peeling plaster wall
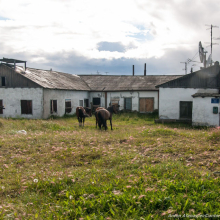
<point x="203" y="112"/>
<point x="121" y="95"/>
<point x="61" y="96"/>
<point x="12" y="102"/>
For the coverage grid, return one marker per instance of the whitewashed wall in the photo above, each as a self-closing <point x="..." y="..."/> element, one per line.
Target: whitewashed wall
<point x="61" y="96"/>
<point x="169" y="100"/>
<point x="203" y="112"/>
<point x="121" y="95"/>
<point x="12" y="101"/>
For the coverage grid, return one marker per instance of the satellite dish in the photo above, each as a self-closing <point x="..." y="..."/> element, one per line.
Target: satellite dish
<point x="209" y="61"/>
<point x="201" y="52"/>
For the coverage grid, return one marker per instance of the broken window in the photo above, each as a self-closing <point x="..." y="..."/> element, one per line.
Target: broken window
<point x="81" y="103"/>
<point x="53" y="106"/>
<point x="96" y="101"/>
<point x="68" y="107"/>
<point x="3" y="81"/>
<point x="185" y="110"/>
<point x="128" y="104"/>
<point x="26" y="107"/>
<point x="86" y="102"/>
<point x="1" y="106"/>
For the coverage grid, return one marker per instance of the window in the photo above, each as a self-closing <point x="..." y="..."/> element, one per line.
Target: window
<point x="1" y="107"/>
<point x="86" y="103"/>
<point x="26" y="107"/>
<point x="128" y="104"/>
<point x="186" y="110"/>
<point x="96" y="101"/>
<point x="68" y="107"/>
<point x="3" y="81"/>
<point x="53" y="106"/>
<point x="81" y="103"/>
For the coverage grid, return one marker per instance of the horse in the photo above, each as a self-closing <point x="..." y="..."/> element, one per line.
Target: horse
<point x="81" y="115"/>
<point x="103" y="115"/>
<point x="88" y="111"/>
<point x="96" y="114"/>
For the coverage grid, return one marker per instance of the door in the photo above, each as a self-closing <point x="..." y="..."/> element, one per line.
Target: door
<point x="185" y="110"/>
<point x="1" y="105"/>
<point x="146" y="105"/>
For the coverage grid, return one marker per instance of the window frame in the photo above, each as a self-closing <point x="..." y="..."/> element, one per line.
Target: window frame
<point x="26" y="107"/>
<point x="3" y="79"/>
<point x="125" y="103"/>
<point x="81" y="102"/>
<point x="68" y="109"/>
<point x="53" y="106"/>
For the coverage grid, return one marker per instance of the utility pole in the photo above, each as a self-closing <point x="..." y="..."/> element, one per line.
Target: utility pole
<point x="212" y="26"/>
<point x="185" y="67"/>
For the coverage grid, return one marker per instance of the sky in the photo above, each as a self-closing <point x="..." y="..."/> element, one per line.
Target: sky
<point x="108" y="37"/>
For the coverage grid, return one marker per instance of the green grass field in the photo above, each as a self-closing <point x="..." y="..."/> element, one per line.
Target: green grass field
<point x="140" y="170"/>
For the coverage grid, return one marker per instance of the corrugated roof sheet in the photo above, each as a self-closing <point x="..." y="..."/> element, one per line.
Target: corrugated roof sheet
<point x="205" y="78"/>
<point x="53" y="79"/>
<point x="58" y="80"/>
<point x="123" y="83"/>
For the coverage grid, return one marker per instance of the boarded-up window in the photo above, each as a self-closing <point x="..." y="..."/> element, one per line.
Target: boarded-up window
<point x="186" y="110"/>
<point x="96" y="101"/>
<point x="1" y="107"/>
<point x="53" y="106"/>
<point x="68" y="107"/>
<point x="128" y="104"/>
<point x="3" y="81"/>
<point x="146" y="105"/>
<point x="26" y="107"/>
<point x="86" y="102"/>
<point x="81" y="103"/>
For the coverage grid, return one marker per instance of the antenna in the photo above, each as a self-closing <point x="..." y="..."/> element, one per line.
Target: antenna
<point x="202" y="54"/>
<point x="185" y="67"/>
<point x="212" y="26"/>
<point x="106" y="73"/>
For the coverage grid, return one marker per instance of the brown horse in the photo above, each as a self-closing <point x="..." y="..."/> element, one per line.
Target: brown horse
<point x="104" y="115"/>
<point x="81" y="115"/>
<point x="88" y="111"/>
<point x="96" y="114"/>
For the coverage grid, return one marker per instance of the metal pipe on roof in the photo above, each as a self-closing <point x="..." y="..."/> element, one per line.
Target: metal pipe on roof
<point x="145" y="71"/>
<point x="133" y="70"/>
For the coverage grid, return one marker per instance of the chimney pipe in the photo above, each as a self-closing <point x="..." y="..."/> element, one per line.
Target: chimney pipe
<point x="133" y="70"/>
<point x="145" y="72"/>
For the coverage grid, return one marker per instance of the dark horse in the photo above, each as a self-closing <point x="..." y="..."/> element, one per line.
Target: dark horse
<point x="103" y="115"/>
<point x="88" y="111"/>
<point x="81" y="115"/>
<point x="96" y="114"/>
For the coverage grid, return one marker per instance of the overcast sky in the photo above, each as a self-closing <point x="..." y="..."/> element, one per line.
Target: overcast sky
<point x="86" y="36"/>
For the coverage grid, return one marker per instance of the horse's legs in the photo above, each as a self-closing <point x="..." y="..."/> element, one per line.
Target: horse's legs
<point x="111" y="123"/>
<point x="83" y="121"/>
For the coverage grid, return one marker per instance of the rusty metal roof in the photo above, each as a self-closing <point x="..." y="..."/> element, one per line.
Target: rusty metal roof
<point x="124" y="83"/>
<point x="53" y="80"/>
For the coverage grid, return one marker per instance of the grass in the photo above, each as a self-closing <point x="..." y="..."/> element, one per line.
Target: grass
<point x="140" y="170"/>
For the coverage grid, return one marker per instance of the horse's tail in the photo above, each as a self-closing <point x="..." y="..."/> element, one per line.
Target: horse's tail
<point x="101" y="120"/>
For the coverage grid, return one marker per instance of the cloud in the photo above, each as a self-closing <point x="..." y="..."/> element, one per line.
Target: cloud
<point x="111" y="46"/>
<point x="112" y="35"/>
